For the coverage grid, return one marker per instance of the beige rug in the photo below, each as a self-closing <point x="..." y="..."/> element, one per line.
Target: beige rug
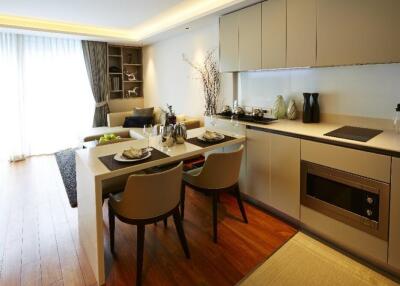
<point x="306" y="261"/>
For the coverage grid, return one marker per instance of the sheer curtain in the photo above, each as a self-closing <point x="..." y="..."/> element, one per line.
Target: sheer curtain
<point x="45" y="95"/>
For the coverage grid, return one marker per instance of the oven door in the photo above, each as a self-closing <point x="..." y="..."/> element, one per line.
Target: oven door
<point x="354" y="200"/>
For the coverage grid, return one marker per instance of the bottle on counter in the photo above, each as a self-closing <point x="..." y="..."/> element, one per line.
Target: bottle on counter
<point x="315" y="117"/>
<point x="396" y="121"/>
<point x="307" y="108"/>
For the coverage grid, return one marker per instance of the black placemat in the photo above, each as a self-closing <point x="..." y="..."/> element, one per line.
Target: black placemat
<point x="354" y="133"/>
<point x="204" y="144"/>
<point x="113" y="165"/>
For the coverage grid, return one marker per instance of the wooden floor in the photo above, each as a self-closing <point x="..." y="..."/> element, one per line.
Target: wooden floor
<point x="39" y="242"/>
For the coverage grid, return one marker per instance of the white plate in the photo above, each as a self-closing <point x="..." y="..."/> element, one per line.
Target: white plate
<point x="217" y="139"/>
<point x="118" y="157"/>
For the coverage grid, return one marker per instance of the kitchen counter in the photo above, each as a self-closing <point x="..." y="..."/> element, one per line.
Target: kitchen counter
<point x="386" y="143"/>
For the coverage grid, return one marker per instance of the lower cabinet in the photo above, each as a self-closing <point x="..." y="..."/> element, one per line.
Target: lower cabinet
<point x="257" y="165"/>
<point x="284" y="170"/>
<point x="394" y="228"/>
<point x="273" y="170"/>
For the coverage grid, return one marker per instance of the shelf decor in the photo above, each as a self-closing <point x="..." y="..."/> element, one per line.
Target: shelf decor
<point x="210" y="78"/>
<point x="125" y="71"/>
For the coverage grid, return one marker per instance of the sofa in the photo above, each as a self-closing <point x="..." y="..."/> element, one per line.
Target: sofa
<point x="116" y="120"/>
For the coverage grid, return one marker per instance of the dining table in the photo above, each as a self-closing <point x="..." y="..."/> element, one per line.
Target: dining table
<point x="95" y="166"/>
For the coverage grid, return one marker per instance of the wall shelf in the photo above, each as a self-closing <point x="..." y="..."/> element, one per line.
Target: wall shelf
<point x="123" y="60"/>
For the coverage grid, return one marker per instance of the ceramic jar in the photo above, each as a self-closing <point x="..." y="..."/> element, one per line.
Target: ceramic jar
<point x="291" y="110"/>
<point x="279" y="109"/>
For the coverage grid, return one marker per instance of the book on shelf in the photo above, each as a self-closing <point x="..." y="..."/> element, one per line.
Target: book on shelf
<point x="116" y="83"/>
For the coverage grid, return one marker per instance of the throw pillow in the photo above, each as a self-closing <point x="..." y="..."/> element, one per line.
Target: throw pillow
<point x="137" y="121"/>
<point x="143" y="112"/>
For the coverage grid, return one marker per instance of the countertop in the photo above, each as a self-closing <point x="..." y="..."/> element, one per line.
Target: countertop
<point x="386" y="143"/>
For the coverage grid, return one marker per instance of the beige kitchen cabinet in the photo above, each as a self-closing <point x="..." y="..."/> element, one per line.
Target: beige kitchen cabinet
<point x="394" y="226"/>
<point x="273" y="34"/>
<point x="301" y="32"/>
<point x="229" y="42"/>
<point x="250" y="38"/>
<point x="357" y="32"/>
<point x="257" y="165"/>
<point x="284" y="167"/>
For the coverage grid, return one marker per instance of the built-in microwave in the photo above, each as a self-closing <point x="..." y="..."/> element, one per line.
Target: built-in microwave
<point x="357" y="201"/>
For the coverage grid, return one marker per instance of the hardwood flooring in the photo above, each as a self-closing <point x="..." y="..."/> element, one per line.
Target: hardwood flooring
<point x="39" y="243"/>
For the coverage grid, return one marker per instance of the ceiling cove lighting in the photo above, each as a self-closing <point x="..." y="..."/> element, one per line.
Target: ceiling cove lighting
<point x="180" y="14"/>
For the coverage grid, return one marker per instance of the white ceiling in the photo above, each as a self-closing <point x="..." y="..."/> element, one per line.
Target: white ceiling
<point x="115" y="14"/>
<point x="123" y="21"/>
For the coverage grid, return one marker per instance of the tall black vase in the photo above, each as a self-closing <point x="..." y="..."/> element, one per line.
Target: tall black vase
<point x="315" y="117"/>
<point x="307" y="116"/>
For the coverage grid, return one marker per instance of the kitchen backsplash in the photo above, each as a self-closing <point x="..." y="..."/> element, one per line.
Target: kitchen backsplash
<point x="364" y="91"/>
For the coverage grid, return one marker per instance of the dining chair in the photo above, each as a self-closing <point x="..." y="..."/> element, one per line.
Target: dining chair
<point x="147" y="199"/>
<point x="220" y="173"/>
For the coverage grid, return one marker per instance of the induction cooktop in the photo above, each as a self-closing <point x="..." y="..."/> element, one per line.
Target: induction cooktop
<point x="354" y="133"/>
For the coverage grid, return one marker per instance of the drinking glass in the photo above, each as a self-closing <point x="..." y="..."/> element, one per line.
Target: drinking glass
<point x="148" y="131"/>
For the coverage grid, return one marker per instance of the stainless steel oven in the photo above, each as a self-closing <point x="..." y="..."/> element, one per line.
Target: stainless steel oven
<point x="352" y="199"/>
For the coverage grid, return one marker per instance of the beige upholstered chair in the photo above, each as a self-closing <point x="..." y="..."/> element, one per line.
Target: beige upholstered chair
<point x="219" y="173"/>
<point x="145" y="200"/>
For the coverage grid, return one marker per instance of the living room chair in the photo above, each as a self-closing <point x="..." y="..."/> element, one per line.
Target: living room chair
<point x="146" y="200"/>
<point x="220" y="173"/>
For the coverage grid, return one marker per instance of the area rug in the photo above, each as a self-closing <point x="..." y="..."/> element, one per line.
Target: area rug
<point x="306" y="261"/>
<point x="66" y="164"/>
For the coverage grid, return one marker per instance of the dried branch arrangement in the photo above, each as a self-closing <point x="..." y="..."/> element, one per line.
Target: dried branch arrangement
<point x="210" y="77"/>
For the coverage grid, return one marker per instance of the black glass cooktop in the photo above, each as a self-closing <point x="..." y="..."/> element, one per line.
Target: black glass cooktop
<point x="354" y="133"/>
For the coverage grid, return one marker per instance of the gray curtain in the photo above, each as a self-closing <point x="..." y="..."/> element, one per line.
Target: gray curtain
<point x="95" y="54"/>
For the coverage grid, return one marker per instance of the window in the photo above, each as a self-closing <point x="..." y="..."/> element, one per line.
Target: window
<point x="45" y="95"/>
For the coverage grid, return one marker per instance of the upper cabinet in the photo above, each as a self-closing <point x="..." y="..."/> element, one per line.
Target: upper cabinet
<point x="301" y="33"/>
<point x="308" y="33"/>
<point x="250" y="38"/>
<point x="357" y="32"/>
<point x="274" y="34"/>
<point x="229" y="42"/>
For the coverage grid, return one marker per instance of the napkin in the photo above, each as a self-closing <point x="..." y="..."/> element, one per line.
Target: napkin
<point x="211" y="135"/>
<point x="133" y="153"/>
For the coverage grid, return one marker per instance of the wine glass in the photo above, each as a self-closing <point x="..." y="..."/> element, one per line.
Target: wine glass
<point x="148" y="131"/>
<point x="235" y="123"/>
<point x="213" y="120"/>
<point x="167" y="137"/>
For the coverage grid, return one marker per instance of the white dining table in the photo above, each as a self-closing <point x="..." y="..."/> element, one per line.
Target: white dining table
<point x="91" y="173"/>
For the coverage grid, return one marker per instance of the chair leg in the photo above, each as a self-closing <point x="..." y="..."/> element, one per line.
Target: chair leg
<point x="215" y="216"/>
<point x="111" y="223"/>
<point x="140" y="250"/>
<point x="183" y="193"/>
<point x="240" y="203"/>
<point x="165" y="222"/>
<point x="181" y="232"/>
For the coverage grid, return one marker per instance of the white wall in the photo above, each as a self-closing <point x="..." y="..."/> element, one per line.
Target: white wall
<point x="168" y="79"/>
<point x="366" y="91"/>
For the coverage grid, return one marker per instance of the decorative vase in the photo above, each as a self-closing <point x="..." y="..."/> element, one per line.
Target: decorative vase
<point x="279" y="109"/>
<point x="307" y="108"/>
<point x="291" y="110"/>
<point x="315" y="113"/>
<point x="180" y="133"/>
